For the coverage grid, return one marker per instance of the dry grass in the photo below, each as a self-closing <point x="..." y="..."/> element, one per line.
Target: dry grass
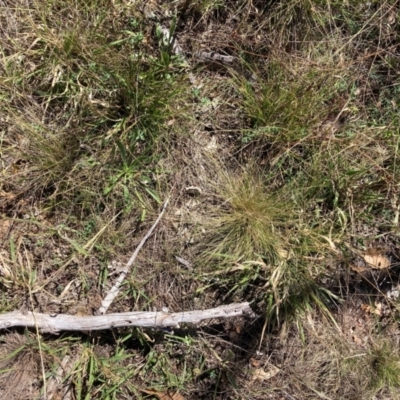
<point x="292" y="151"/>
<point x="20" y="366"/>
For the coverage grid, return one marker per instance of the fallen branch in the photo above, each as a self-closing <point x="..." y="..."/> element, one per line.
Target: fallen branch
<point x="62" y="322"/>
<point x="113" y="293"/>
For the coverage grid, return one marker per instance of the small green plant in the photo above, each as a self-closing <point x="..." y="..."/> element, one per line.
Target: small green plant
<point x="102" y="374"/>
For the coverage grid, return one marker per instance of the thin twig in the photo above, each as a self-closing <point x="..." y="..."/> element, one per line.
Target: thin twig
<point x="113" y="293"/>
<point x="288" y="395"/>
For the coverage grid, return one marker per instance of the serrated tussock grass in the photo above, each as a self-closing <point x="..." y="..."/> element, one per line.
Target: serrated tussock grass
<point x="250" y="221"/>
<point x="258" y="232"/>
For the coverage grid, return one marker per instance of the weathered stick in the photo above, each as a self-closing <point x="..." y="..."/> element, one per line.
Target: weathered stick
<point x="214" y="57"/>
<point x="64" y="322"/>
<point x="113" y="293"/>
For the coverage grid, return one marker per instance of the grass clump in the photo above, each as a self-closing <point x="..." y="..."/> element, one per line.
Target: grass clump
<point x="374" y="371"/>
<point x="288" y="101"/>
<point x="87" y="116"/>
<point x="260" y="241"/>
<point x="251" y="221"/>
<point x="384" y="362"/>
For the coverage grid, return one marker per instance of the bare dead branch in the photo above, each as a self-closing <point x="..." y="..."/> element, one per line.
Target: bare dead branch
<point x="63" y="322"/>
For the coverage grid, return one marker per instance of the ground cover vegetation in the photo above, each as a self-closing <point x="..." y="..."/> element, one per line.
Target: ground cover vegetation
<point x="281" y="170"/>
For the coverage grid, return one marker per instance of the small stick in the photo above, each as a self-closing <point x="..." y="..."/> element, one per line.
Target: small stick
<point x="113" y="293"/>
<point x="214" y="57"/>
